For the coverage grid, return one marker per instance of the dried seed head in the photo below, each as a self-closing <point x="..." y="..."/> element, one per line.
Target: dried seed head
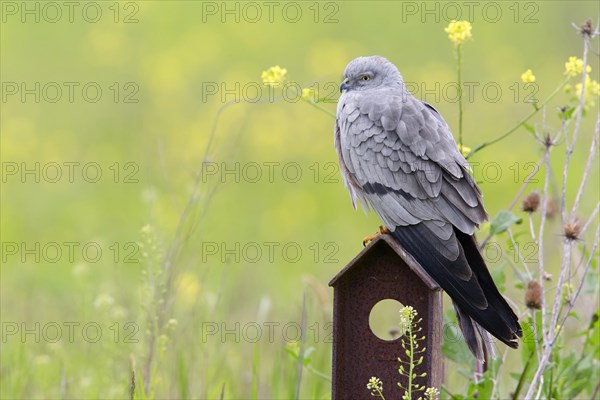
<point x="533" y="295"/>
<point x="531" y="202"/>
<point x="572" y="230"/>
<point x="587" y="29"/>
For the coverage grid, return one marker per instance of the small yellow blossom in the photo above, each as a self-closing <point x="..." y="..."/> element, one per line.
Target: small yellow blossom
<point x="590" y="93"/>
<point x="464" y="150"/>
<point x="574" y="67"/>
<point x="528" y="76"/>
<point x="557" y="329"/>
<point x="375" y="384"/>
<point x="407" y="315"/>
<point x="293" y="346"/>
<point x="189" y="288"/>
<point x="273" y="76"/>
<point x="432" y="393"/>
<point x="458" y="31"/>
<point x="588" y="85"/>
<point x="308" y="94"/>
<point x="592" y="86"/>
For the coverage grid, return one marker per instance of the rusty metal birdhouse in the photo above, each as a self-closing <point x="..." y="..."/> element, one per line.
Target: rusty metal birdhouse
<point x="383" y="270"/>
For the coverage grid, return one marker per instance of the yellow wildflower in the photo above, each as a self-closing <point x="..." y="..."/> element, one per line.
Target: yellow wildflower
<point x="464" y="150"/>
<point x="458" y="31"/>
<point x="432" y="393"/>
<point x="574" y="67"/>
<point x="375" y="384"/>
<point x="188" y="288"/>
<point x="528" y="76"/>
<point x="594" y="87"/>
<point x="293" y="346"/>
<point x="407" y="315"/>
<point x="273" y="76"/>
<point x="308" y="94"/>
<point x="590" y="92"/>
<point x="557" y="328"/>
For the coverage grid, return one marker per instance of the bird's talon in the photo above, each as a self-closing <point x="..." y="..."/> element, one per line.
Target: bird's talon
<point x="382" y="231"/>
<point x="367" y="239"/>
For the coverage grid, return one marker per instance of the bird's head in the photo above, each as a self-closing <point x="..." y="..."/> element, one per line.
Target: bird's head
<point x="365" y="73"/>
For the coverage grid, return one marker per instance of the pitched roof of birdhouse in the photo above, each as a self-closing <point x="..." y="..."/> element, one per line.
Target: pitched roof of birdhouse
<point x="376" y="245"/>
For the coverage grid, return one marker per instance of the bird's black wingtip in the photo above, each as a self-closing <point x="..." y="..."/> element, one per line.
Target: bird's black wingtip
<point x="519" y="331"/>
<point x="514" y="341"/>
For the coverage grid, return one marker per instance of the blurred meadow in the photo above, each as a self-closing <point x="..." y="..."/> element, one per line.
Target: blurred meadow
<point x="130" y="252"/>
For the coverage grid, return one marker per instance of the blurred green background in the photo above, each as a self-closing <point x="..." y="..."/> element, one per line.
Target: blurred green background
<point x="157" y="64"/>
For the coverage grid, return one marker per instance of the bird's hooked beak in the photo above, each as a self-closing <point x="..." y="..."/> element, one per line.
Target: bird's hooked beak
<point x="344" y="85"/>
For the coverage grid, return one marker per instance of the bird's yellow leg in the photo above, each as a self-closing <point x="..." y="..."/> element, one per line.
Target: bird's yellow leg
<point x="382" y="231"/>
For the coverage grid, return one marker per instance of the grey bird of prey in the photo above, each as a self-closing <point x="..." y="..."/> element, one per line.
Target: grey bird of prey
<point x="398" y="157"/>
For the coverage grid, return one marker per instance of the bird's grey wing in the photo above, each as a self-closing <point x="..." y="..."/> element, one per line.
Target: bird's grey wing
<point x="401" y="155"/>
<point x="401" y="159"/>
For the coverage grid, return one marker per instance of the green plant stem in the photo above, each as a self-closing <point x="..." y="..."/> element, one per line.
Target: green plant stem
<point x="460" y="93"/>
<point x="315" y="105"/>
<point x="379" y="393"/>
<point x="521" y="122"/>
<point x="411" y="362"/>
<point x="318" y="373"/>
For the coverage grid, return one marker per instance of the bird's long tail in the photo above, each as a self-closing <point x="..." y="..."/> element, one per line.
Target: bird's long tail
<point x="497" y="302"/>
<point x="480" y="307"/>
<point x="478" y="339"/>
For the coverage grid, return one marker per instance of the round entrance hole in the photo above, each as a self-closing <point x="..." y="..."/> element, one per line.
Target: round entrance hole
<point x="384" y="319"/>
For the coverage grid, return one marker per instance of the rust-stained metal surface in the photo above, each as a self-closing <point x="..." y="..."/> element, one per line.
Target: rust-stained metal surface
<point x="383" y="270"/>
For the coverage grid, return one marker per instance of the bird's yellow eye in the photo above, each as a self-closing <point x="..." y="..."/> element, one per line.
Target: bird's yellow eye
<point x="365" y="77"/>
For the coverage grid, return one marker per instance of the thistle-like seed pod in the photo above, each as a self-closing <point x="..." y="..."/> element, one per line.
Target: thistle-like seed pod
<point x="587" y="29"/>
<point x="533" y="295"/>
<point x="531" y="202"/>
<point x="572" y="230"/>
